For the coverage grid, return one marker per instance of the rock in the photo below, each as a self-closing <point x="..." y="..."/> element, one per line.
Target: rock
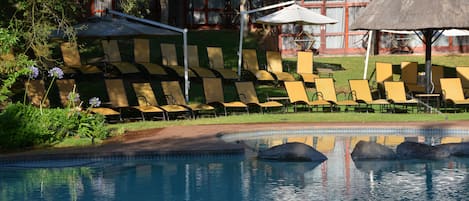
<point x="371" y="150"/>
<point x="455" y="149"/>
<point x="292" y="152"/>
<point x="414" y="150"/>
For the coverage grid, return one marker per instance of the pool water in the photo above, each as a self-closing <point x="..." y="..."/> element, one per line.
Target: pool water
<point x="242" y="177"/>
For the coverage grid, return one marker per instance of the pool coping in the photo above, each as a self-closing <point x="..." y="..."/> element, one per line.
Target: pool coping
<point x="203" y="140"/>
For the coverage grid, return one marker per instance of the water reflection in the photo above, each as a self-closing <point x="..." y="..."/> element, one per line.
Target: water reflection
<point x="244" y="178"/>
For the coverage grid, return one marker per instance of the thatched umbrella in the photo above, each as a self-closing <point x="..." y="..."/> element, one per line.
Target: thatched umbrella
<point x="426" y="16"/>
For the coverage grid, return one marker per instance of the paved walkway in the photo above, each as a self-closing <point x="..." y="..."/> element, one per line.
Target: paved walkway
<point x="200" y="139"/>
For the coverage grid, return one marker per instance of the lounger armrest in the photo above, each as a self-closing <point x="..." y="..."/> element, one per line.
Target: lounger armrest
<point x="144" y="99"/>
<point x="318" y="95"/>
<point x="170" y="99"/>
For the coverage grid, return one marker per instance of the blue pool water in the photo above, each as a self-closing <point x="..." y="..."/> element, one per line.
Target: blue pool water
<point x="241" y="177"/>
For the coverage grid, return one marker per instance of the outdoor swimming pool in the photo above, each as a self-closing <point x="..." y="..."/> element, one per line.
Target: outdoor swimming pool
<point x="240" y="177"/>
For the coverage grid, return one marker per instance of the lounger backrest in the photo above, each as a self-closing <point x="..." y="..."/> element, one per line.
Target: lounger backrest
<point x="437" y="74"/>
<point x="193" y="56"/>
<point x="116" y="92"/>
<point x="70" y="54"/>
<point x="173" y="91"/>
<point x="168" y="54"/>
<point x="247" y="92"/>
<point x="274" y="61"/>
<point x="36" y="92"/>
<point x="141" y="50"/>
<point x="66" y="86"/>
<point x="250" y="59"/>
<point x="215" y="57"/>
<point x="361" y="90"/>
<point x="111" y="50"/>
<point x="304" y="62"/>
<point x="452" y="88"/>
<point x="463" y="74"/>
<point x="145" y="94"/>
<point x="395" y="91"/>
<point x="325" y="89"/>
<point x="296" y="91"/>
<point x="383" y="72"/>
<point x="409" y="72"/>
<point x="213" y="90"/>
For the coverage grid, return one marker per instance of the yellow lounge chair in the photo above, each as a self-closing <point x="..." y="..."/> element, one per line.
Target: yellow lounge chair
<point x="113" y="57"/>
<point x="247" y="95"/>
<point x="169" y="59"/>
<point x="396" y="95"/>
<point x="142" y="57"/>
<point x="297" y="94"/>
<point x="452" y="91"/>
<point x="361" y="93"/>
<point x="146" y="98"/>
<point x="213" y="90"/>
<point x="251" y="64"/>
<point x="304" y="66"/>
<point x="326" y="90"/>
<point x="383" y="72"/>
<point x="275" y="66"/>
<point x="215" y="57"/>
<point x="173" y="93"/>
<point x="72" y="60"/>
<point x="463" y="74"/>
<point x="193" y="61"/>
<point x="66" y="86"/>
<point x="36" y="92"/>
<point x="409" y="74"/>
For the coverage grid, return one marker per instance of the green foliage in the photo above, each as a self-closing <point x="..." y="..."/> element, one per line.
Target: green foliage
<point x="137" y="8"/>
<point x="25" y="126"/>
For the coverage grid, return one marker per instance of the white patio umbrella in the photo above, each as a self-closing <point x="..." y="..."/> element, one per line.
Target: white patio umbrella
<point x="295" y="14"/>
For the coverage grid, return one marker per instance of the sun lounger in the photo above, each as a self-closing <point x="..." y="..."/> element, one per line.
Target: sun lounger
<point x="215" y="57"/>
<point x="247" y="95"/>
<point x="113" y="57"/>
<point x="67" y="86"/>
<point x="251" y="64"/>
<point x="297" y="94"/>
<point x="213" y="90"/>
<point x="462" y="73"/>
<point x="304" y="67"/>
<point x="142" y="57"/>
<point x="361" y="93"/>
<point x="36" y="92"/>
<point x="326" y="90"/>
<point x="173" y="93"/>
<point x="72" y="60"/>
<point x="383" y="72"/>
<point x="193" y="61"/>
<point x="409" y="74"/>
<point x="275" y="66"/>
<point x="146" y="98"/>
<point x="169" y="60"/>
<point x="453" y="94"/>
<point x="396" y="95"/>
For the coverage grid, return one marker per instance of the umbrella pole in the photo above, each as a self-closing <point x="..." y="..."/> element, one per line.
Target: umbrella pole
<point x="428" y="34"/>
<point x="367" y="57"/>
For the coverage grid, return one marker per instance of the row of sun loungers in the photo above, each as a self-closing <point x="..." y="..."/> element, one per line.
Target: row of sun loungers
<point x="272" y="72"/>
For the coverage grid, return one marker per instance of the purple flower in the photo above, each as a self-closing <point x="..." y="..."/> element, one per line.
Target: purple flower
<point x="95" y="102"/>
<point x="75" y="97"/>
<point x="34" y="72"/>
<point x="56" y="72"/>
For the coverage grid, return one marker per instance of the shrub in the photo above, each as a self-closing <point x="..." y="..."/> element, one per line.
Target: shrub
<point x="25" y="126"/>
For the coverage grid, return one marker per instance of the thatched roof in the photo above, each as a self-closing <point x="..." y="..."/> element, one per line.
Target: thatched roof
<point x="413" y="15"/>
